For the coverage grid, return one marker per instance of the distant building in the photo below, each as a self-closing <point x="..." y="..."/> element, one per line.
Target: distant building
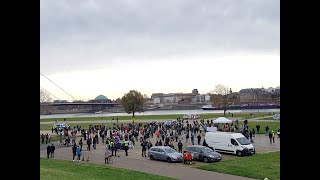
<point x="259" y="95"/>
<point x="195" y="91"/>
<point x="101" y="99"/>
<point x="201" y="98"/>
<point x="60" y="101"/>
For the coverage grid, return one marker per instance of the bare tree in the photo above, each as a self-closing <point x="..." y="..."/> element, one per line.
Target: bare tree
<point x="221" y="98"/>
<point x="44" y="96"/>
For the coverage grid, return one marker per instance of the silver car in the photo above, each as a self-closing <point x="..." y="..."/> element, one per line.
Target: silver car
<point x="165" y="153"/>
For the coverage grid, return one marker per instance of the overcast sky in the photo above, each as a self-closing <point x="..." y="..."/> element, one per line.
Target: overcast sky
<point x="92" y="47"/>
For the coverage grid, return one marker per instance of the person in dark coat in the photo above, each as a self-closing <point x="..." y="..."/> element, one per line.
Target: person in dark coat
<point x="204" y="143"/>
<point x="180" y="146"/>
<point x="48" y="150"/>
<point x="270" y="137"/>
<point x="74" y="151"/>
<point x="144" y="145"/>
<point x="199" y="139"/>
<point x="52" y="149"/>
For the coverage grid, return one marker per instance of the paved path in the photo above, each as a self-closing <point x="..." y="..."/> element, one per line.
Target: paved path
<point x="177" y="170"/>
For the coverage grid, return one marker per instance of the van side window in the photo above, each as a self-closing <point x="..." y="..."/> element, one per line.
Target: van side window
<point x="234" y="142"/>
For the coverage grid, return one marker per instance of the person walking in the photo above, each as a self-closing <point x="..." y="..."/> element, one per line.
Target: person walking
<point x="74" y="151"/>
<point x="52" y="149"/>
<point x="199" y="139"/>
<point x="180" y="146"/>
<point x="253" y="132"/>
<point x="78" y="151"/>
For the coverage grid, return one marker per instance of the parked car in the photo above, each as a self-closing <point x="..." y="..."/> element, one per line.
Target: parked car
<point x="164" y="153"/>
<point x="61" y="126"/>
<point x="276" y="117"/>
<point x="203" y="153"/>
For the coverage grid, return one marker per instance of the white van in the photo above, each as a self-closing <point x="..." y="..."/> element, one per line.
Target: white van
<point x="228" y="142"/>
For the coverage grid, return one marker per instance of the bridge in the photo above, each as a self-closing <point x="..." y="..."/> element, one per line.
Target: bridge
<point x="82" y="104"/>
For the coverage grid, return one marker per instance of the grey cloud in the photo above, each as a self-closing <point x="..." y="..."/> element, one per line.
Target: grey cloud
<point x="82" y="31"/>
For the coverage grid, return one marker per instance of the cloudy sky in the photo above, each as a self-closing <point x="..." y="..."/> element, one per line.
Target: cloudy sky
<point x="92" y="47"/>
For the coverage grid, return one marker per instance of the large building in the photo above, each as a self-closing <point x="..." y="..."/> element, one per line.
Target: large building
<point x="251" y="95"/>
<point x="179" y="98"/>
<point x="101" y="99"/>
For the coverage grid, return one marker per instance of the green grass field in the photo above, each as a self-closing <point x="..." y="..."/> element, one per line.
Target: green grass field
<point x="151" y="117"/>
<point x="258" y="166"/>
<point x="60" y="169"/>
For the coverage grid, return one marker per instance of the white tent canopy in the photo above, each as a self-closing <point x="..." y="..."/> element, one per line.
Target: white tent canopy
<point x="222" y="120"/>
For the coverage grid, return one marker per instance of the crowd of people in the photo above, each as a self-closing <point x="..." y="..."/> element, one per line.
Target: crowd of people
<point x="125" y="136"/>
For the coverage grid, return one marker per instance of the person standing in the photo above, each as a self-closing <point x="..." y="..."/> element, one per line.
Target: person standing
<point x="144" y="148"/>
<point x="267" y="130"/>
<point x="52" y="151"/>
<point x="49" y="137"/>
<point x="74" y="151"/>
<point x="250" y="135"/>
<point x="112" y="147"/>
<point x="253" y="132"/>
<point x="78" y="151"/>
<point x="42" y="138"/>
<point x="89" y="144"/>
<point x="192" y="138"/>
<point x="270" y="137"/>
<point x="273" y="135"/>
<point x="149" y="145"/>
<point x="107" y="156"/>
<point x="258" y="128"/>
<point x="180" y="146"/>
<point x="48" y="150"/>
<point x="199" y="139"/>
<point x="126" y="146"/>
<point x="94" y="143"/>
<point x="187" y="137"/>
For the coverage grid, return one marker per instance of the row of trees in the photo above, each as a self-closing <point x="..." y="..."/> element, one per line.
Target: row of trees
<point x="133" y="101"/>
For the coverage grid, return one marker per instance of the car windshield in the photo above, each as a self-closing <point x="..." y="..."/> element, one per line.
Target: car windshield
<point x="243" y="141"/>
<point x="207" y="150"/>
<point x="169" y="150"/>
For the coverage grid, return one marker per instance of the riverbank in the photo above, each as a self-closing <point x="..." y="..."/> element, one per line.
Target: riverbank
<point x="238" y="116"/>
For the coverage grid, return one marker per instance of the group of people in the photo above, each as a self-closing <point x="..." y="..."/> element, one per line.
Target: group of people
<point x="125" y="137"/>
<point x="50" y="151"/>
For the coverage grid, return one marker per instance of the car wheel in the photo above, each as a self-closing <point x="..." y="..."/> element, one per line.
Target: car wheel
<point x="169" y="160"/>
<point x="239" y="153"/>
<point x="205" y="159"/>
<point x="151" y="157"/>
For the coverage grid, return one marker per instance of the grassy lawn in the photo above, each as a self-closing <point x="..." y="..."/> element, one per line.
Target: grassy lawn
<point x="60" y="169"/>
<point x="258" y="166"/>
<point x="151" y="117"/>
